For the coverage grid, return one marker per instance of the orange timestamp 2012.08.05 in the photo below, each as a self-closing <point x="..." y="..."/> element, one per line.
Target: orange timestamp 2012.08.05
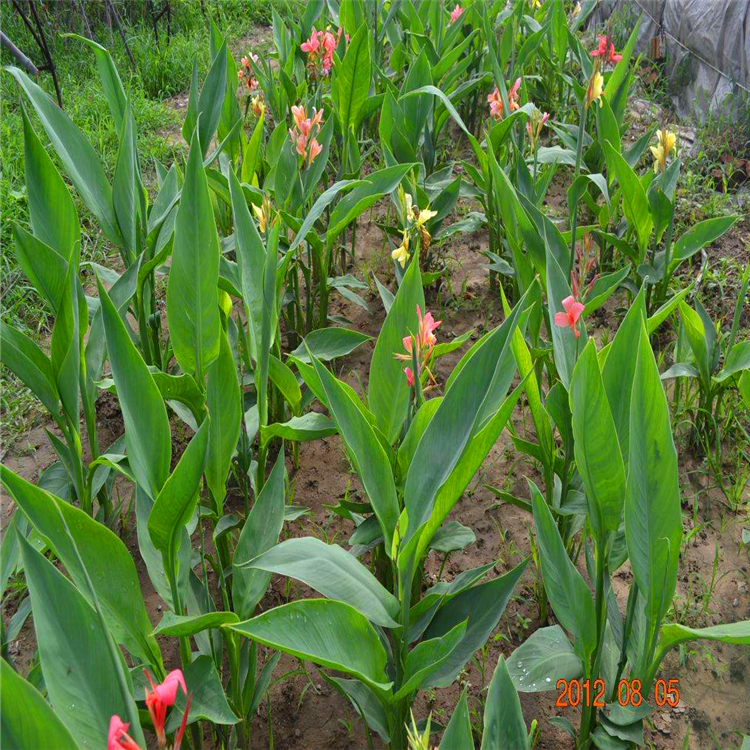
<point x="577" y="692"/>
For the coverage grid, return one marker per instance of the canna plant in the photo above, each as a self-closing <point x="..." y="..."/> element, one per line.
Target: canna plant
<point x="626" y="457"/>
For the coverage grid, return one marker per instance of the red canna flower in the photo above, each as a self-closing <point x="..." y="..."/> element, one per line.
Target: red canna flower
<point x="304" y="133"/>
<point x="425" y="340"/>
<point x="569" y="318"/>
<point x="161" y="697"/>
<point x="118" y="737"/>
<point x="409" y="376"/>
<point x="606" y="50"/>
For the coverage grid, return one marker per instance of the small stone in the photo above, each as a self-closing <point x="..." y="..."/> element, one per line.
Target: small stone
<point x="736" y="602"/>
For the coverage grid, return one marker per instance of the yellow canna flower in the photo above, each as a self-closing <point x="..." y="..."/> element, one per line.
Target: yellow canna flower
<point x="401" y="253"/>
<point x="576" y="10"/>
<point x="260" y="215"/>
<point x="596" y="86"/>
<point x="424" y="216"/>
<point x="666" y="142"/>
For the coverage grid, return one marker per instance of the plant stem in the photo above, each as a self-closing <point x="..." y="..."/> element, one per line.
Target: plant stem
<point x="579" y="155"/>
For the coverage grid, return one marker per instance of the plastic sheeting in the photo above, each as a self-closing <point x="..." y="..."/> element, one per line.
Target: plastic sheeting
<point x="718" y="31"/>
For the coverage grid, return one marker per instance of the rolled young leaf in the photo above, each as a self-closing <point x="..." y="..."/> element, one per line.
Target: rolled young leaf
<point x="504" y="726"/>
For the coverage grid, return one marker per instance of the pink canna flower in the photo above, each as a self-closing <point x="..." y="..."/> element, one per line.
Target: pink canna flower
<point x="118" y="737"/>
<point x="425" y="341"/>
<point x="315" y="149"/>
<point x="456" y="13"/>
<point x="409" y="376"/>
<point x="569" y="318"/>
<point x="312" y="44"/>
<point x="496" y="104"/>
<point x="160" y="698"/>
<point x="513" y="95"/>
<point x="606" y="50"/>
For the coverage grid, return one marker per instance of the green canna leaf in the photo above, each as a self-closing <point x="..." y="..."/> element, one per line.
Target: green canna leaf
<point x="176" y="501"/>
<point x="698" y="236"/>
<point x="45" y="268"/>
<point x="110" y="78"/>
<point x="192" y="296"/>
<point x="365" y="451"/>
<point x="388" y="395"/>
<point x="310" y="426"/>
<point x="635" y="202"/>
<point x="353" y="78"/>
<point x="147" y="434"/>
<point x="66" y="349"/>
<point x="653" y="518"/>
<point x="597" y="449"/>
<point x="31" y="365"/>
<point x="52" y="213"/>
<point x="567" y="591"/>
<point x="697" y="338"/>
<point x="458" y="733"/>
<point x="542" y="659"/>
<point x="127" y="190"/>
<point x="223" y="398"/>
<point x="77" y="665"/>
<point x="482" y="605"/>
<point x="107" y="560"/>
<point x="504" y="726"/>
<point x="326" y="632"/>
<point x="77" y="155"/>
<point x="27" y="719"/>
<point x="330" y="570"/>
<point x="259" y="534"/>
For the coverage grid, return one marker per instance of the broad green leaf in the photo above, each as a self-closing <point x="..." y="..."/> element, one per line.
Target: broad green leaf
<point x="326" y="344"/>
<point x="208" y="106"/>
<point x="326" y="632"/>
<point x="330" y="570"/>
<point x="635" y="202"/>
<point x="27" y="720"/>
<point x="223" y="398"/>
<point x="365" y="451"/>
<point x="285" y="380"/>
<point x="458" y="733"/>
<point x="260" y="533"/>
<point x="77" y="665"/>
<point x="542" y="659"/>
<point x="175" y="502"/>
<point x="31" y="365"/>
<point x="364" y="700"/>
<point x="737" y="359"/>
<point x="353" y="78"/>
<point x="107" y="561"/>
<point x="192" y="298"/>
<point x="127" y="191"/>
<point x="66" y="350"/>
<point x="388" y="395"/>
<point x="310" y="426"/>
<point x="110" y="78"/>
<point x="673" y="634"/>
<point x="452" y="537"/>
<point x="77" y="155"/>
<point x="567" y="591"/>
<point x="208" y="702"/>
<point x="364" y="195"/>
<point x="52" y="213"/>
<point x="696" y="336"/>
<point x="456" y="421"/>
<point x="698" y="236"/>
<point x="251" y="152"/>
<point x="653" y="518"/>
<point x="185" y="625"/>
<point x="426" y="657"/>
<point x="483" y="605"/>
<point x="466" y="468"/>
<point x="147" y="433"/>
<point x="251" y="259"/>
<point x="619" y="369"/>
<point x="45" y="268"/>
<point x="597" y="449"/>
<point x="504" y="726"/>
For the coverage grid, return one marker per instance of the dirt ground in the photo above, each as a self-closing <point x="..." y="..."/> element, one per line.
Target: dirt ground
<point x="714" y="680"/>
